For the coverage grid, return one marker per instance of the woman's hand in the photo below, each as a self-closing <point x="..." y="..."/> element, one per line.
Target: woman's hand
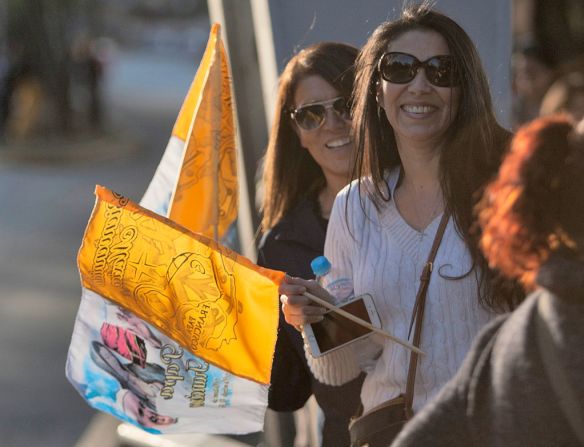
<point x="299" y="309"/>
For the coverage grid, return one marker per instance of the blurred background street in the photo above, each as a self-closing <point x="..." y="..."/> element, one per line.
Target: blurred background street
<point x="46" y="190"/>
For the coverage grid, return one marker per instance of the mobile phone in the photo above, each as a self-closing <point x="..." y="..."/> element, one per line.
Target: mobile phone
<point x="335" y="330"/>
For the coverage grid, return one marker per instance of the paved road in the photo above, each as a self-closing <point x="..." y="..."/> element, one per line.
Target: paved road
<point x="44" y="211"/>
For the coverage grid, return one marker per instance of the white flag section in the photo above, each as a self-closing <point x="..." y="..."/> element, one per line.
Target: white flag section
<point x="159" y="193"/>
<point x="124" y="366"/>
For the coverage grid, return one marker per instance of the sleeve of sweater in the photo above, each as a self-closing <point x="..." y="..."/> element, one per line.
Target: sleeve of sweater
<point x="341" y="365"/>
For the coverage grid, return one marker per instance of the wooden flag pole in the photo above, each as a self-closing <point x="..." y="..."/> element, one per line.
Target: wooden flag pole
<point x="363" y="323"/>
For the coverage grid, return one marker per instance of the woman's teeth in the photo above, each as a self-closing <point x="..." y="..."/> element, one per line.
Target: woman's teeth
<point x="338" y="143"/>
<point x="417" y="109"/>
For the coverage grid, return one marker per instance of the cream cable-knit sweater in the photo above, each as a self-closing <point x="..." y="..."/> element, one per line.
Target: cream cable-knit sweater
<point x="384" y="256"/>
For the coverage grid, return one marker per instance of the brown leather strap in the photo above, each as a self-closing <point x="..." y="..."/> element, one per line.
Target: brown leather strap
<point x="418" y="312"/>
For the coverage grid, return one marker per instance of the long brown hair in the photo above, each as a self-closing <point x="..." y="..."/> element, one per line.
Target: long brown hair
<point x="290" y="173"/>
<point x="474" y="142"/>
<point x="536" y="204"/>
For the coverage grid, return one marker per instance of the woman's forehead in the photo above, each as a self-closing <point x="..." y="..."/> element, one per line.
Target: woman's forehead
<point x="422" y="43"/>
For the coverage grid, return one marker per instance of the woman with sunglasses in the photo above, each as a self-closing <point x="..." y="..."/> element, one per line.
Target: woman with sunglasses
<point x="308" y="160"/>
<point x="427" y="140"/>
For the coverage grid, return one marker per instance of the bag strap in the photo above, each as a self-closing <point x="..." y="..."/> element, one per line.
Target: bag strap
<point x="418" y="312"/>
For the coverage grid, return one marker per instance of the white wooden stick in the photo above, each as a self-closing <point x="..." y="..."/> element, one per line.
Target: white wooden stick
<point x="363" y="323"/>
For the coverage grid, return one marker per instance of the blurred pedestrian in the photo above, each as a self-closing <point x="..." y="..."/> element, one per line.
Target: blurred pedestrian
<point x="21" y="94"/>
<point x="565" y="95"/>
<point x="427" y="141"/>
<point x="522" y="382"/>
<point x="308" y="160"/>
<point x="533" y="71"/>
<point x="89" y="68"/>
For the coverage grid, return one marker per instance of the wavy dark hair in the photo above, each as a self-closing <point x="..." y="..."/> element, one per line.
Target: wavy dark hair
<point x="473" y="145"/>
<point x="290" y="173"/>
<point x="536" y="204"/>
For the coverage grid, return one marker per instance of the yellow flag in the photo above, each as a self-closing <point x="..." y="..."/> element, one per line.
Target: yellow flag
<point x="205" y="197"/>
<point x="211" y="300"/>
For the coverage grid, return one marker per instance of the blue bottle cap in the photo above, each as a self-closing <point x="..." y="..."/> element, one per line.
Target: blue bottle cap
<point x="320" y="266"/>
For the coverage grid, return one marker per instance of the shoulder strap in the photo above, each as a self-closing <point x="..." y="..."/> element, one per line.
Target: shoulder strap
<point x="418" y="311"/>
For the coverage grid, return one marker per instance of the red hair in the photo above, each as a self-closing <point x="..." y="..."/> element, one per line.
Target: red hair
<point x="526" y="211"/>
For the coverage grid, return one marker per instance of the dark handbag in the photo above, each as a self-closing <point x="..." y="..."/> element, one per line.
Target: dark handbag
<point x="381" y="425"/>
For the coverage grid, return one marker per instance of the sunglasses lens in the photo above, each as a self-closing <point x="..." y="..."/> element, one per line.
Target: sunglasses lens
<point x="397" y="68"/>
<point x="309" y="117"/>
<point x="440" y="71"/>
<point x="342" y="108"/>
<point x="401" y="68"/>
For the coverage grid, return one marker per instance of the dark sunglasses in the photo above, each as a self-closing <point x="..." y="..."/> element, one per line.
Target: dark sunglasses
<point x="401" y="68"/>
<point x="312" y="116"/>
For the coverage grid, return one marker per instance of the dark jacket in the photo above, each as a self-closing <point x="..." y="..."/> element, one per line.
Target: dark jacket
<point x="290" y="246"/>
<point x="522" y="382"/>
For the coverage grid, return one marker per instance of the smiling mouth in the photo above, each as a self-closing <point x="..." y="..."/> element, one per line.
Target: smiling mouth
<point x="419" y="110"/>
<point x="340" y="142"/>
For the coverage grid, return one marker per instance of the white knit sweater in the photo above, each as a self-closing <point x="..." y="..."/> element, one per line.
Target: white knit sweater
<point x="384" y="256"/>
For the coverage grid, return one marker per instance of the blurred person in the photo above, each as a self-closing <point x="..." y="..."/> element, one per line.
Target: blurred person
<point x="522" y="383"/>
<point x="427" y="141"/>
<point x="22" y="95"/>
<point x="308" y="160"/>
<point x="89" y="68"/>
<point x="533" y="70"/>
<point x="565" y="95"/>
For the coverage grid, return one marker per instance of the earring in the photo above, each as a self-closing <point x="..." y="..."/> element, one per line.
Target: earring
<point x="380" y="112"/>
<point x="378" y="96"/>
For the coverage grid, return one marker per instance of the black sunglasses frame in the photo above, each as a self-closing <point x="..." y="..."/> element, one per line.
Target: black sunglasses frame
<point x="430" y="70"/>
<point x="323" y="106"/>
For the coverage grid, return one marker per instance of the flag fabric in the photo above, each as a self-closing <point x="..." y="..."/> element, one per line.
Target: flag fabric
<point x="124" y="365"/>
<point x="202" y="149"/>
<point x="206" y="297"/>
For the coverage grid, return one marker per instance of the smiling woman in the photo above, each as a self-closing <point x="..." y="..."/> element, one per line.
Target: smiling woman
<point x="420" y="111"/>
<point x="329" y="144"/>
<point x="426" y="142"/>
<point x="308" y="160"/>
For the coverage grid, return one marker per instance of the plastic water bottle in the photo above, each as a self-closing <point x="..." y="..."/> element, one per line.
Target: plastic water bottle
<point x="320" y="267"/>
<point x="341" y="288"/>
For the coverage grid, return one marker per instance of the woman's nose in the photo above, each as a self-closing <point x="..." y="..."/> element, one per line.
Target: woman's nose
<point x="333" y="120"/>
<point x="420" y="83"/>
